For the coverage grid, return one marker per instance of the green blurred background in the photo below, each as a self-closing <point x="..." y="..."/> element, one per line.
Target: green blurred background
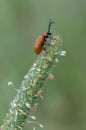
<point x="21" y="21"/>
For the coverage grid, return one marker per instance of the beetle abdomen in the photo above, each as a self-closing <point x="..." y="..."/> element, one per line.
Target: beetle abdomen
<point x="38" y="44"/>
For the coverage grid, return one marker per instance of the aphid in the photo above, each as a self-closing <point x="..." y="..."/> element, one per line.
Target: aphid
<point x="40" y="41"/>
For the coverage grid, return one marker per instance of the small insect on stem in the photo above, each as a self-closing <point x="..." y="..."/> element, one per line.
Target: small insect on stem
<point x="40" y="40"/>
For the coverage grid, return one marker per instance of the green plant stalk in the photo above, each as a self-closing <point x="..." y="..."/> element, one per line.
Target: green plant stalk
<point x="31" y="86"/>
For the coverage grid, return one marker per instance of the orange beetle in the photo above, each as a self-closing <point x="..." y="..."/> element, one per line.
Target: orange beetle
<point x="40" y="41"/>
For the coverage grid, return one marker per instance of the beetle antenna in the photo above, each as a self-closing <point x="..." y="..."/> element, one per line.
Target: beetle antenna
<point x="49" y="25"/>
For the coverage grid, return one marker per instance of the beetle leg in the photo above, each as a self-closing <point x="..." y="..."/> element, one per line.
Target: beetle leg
<point x="43" y="48"/>
<point x="48" y="43"/>
<point x="50" y="36"/>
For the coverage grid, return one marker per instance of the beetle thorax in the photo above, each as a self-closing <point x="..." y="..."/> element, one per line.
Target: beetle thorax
<point x="44" y="34"/>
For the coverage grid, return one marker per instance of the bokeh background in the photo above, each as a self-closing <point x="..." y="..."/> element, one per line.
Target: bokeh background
<point x="21" y="21"/>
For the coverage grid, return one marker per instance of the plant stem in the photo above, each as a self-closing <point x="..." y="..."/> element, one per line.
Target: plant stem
<point x="31" y="86"/>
